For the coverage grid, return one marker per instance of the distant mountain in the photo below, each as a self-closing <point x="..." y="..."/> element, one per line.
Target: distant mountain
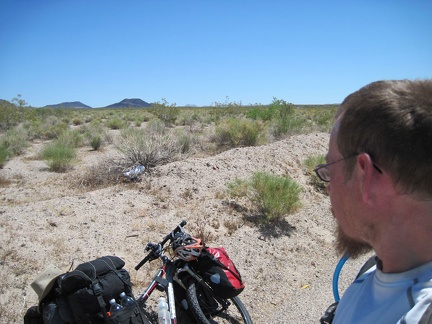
<point x="130" y="103"/>
<point x="74" y="104"/>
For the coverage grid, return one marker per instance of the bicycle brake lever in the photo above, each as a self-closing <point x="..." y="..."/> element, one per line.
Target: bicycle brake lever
<point x="151" y="246"/>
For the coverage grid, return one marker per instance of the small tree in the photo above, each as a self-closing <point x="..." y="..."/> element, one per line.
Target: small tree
<point x="166" y="112"/>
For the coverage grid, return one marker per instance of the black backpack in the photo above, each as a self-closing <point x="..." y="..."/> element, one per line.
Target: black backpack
<point x="82" y="295"/>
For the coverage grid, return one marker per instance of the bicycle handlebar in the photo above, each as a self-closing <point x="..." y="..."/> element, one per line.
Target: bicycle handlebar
<point x="156" y="249"/>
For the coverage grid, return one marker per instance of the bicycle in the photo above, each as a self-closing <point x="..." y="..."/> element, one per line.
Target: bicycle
<point x="185" y="289"/>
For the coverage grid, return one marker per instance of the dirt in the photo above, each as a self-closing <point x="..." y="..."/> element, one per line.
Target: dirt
<point x="288" y="267"/>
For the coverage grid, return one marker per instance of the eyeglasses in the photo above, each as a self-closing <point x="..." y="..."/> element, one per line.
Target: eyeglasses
<point x="322" y="171"/>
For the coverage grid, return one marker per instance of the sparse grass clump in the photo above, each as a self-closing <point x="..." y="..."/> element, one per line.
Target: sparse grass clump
<point x="273" y="196"/>
<point x="58" y="155"/>
<point x="104" y="174"/>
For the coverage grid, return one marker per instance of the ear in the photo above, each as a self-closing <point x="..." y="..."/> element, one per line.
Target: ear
<point x="366" y="177"/>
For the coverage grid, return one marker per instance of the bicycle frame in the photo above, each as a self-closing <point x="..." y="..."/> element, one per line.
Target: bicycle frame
<point x="166" y="284"/>
<point x="171" y="272"/>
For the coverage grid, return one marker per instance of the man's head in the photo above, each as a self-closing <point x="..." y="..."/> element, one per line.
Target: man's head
<point x="384" y="129"/>
<point x="392" y="122"/>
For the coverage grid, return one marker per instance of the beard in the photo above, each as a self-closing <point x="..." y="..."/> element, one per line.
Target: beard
<point x="345" y="244"/>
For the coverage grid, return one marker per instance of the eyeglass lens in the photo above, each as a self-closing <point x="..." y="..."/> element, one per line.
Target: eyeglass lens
<point x="324" y="173"/>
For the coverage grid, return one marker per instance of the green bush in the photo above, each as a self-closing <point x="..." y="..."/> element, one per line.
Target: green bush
<point x="45" y="127"/>
<point x="166" y="112"/>
<point x="184" y="140"/>
<point x="324" y="119"/>
<point x="287" y="126"/>
<point x="95" y="135"/>
<point x="12" y="113"/>
<point x="15" y="140"/>
<point x="58" y="155"/>
<point x="71" y="138"/>
<point x="234" y="132"/>
<point x="4" y="155"/>
<point x="77" y="121"/>
<point x="115" y="123"/>
<point x="261" y="113"/>
<point x="274" y="196"/>
<point x="95" y="142"/>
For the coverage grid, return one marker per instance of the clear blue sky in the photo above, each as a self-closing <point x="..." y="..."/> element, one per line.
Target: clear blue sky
<point x="200" y="52"/>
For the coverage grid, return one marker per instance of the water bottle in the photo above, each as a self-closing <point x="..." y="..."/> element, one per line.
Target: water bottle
<point x="163" y="313"/>
<point x="114" y="307"/>
<point x="126" y="301"/>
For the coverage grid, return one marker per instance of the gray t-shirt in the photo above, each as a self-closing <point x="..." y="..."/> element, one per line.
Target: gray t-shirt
<point x="378" y="297"/>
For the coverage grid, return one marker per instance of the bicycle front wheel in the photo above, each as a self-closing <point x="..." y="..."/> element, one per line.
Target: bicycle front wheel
<point x="208" y="309"/>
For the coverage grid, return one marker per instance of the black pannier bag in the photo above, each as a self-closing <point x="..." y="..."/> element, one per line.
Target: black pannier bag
<point x="218" y="270"/>
<point x="91" y="285"/>
<point x="83" y="295"/>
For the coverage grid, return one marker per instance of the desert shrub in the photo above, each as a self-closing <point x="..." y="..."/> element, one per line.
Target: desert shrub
<point x="95" y="135"/>
<point x="104" y="174"/>
<point x="9" y="115"/>
<point x="260" y="113"/>
<point x="166" y="112"/>
<point x="147" y="116"/>
<point x="45" y="127"/>
<point x="96" y="142"/>
<point x="58" y="155"/>
<point x="12" y="113"/>
<point x="273" y="196"/>
<point x="309" y="165"/>
<point x="184" y="140"/>
<point x="228" y="109"/>
<point x="147" y="148"/>
<point x="115" y="123"/>
<point x="15" y="140"/>
<point x="324" y="118"/>
<point x="234" y="132"/>
<point x="156" y="126"/>
<point x="71" y="138"/>
<point x="4" y="154"/>
<point x="138" y="121"/>
<point x="54" y="131"/>
<point x="287" y="126"/>
<point x="77" y="121"/>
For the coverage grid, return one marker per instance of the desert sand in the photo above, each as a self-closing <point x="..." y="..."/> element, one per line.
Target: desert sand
<point x="288" y="267"/>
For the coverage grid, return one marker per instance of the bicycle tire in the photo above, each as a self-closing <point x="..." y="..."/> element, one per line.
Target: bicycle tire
<point x="207" y="310"/>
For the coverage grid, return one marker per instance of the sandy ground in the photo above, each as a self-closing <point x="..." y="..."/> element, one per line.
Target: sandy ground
<point x="287" y="268"/>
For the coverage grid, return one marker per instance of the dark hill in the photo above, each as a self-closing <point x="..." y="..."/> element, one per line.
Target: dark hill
<point x="74" y="104"/>
<point x="130" y="103"/>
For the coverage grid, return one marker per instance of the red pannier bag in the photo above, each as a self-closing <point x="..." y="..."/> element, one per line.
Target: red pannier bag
<point x="219" y="271"/>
